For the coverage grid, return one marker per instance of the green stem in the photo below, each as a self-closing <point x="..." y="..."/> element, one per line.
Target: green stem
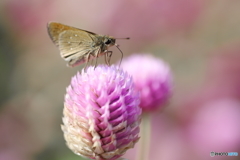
<point x="144" y="148"/>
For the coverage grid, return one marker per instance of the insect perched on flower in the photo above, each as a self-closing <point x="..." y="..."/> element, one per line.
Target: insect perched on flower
<point x="78" y="46"/>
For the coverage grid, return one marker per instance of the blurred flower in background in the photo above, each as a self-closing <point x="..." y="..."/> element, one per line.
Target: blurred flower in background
<point x="152" y="78"/>
<point x="183" y="33"/>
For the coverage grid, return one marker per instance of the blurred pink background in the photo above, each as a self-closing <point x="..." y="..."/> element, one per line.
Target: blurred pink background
<point x="199" y="39"/>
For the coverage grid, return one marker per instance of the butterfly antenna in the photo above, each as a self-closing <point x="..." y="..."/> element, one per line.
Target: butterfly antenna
<point x="121" y="53"/>
<point x="123" y="38"/>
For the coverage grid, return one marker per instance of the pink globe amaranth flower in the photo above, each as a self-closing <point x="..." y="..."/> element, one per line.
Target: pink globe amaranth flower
<point x="152" y="77"/>
<point x="101" y="113"/>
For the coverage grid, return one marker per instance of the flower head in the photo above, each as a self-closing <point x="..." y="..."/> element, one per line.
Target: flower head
<point x="152" y="77"/>
<point x="101" y="113"/>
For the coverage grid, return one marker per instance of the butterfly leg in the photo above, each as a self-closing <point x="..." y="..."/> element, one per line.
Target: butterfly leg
<point x="91" y="62"/>
<point x="87" y="58"/>
<point x="105" y="58"/>
<point x="97" y="55"/>
<point x="96" y="62"/>
<point x="108" y="55"/>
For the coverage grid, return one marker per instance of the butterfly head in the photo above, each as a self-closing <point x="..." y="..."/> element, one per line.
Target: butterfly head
<point x="109" y="41"/>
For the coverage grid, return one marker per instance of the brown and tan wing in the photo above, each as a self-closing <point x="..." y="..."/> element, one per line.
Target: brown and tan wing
<point x="55" y="29"/>
<point x="75" y="59"/>
<point x="76" y="46"/>
<point x="72" y="42"/>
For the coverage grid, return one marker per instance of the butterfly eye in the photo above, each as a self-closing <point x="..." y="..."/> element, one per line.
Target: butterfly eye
<point x="108" y="42"/>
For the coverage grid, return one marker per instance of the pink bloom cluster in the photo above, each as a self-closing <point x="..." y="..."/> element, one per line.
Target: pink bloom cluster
<point x="101" y="113"/>
<point x="152" y="77"/>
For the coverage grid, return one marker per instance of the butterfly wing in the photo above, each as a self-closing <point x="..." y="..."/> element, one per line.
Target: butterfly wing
<point x="76" y="46"/>
<point x="75" y="59"/>
<point x="55" y="29"/>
